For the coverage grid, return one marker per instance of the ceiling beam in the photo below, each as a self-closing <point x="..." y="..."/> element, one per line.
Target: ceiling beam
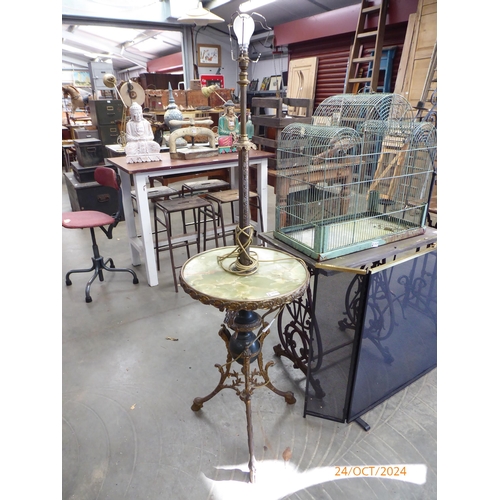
<point x="120" y="23"/>
<point x="74" y="60"/>
<point x="101" y="47"/>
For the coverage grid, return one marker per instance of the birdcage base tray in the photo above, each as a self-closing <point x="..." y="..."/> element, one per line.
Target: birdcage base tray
<point x="381" y="231"/>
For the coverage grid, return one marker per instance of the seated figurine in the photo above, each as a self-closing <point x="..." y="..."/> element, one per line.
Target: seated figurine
<point x="140" y="146"/>
<point x="228" y="129"/>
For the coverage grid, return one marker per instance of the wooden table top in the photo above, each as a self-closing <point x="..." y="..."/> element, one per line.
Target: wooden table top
<point x="168" y="163"/>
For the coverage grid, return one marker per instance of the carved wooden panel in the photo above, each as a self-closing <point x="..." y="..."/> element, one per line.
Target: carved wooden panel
<point x="302" y="81"/>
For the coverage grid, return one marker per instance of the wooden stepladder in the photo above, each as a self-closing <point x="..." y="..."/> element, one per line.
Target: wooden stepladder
<point x="367" y="12"/>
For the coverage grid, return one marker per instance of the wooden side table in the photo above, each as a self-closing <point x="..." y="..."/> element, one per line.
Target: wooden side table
<point x="280" y="279"/>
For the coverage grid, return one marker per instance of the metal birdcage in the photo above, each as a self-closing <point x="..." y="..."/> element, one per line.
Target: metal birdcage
<point x="341" y="190"/>
<point x="352" y="110"/>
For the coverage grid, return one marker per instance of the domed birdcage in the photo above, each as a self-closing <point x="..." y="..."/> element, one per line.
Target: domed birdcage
<point x="315" y="170"/>
<point x="352" y="110"/>
<point x="341" y="190"/>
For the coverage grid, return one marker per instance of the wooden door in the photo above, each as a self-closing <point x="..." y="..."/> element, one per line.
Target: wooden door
<point x="302" y="81"/>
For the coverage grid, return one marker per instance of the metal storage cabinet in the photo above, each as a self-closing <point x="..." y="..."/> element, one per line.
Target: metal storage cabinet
<point x="89" y="152"/>
<point x="85" y="134"/>
<point x="90" y="195"/>
<point x="106" y="111"/>
<point x="109" y="134"/>
<point x="97" y="72"/>
<point x="83" y="174"/>
<point x="86" y="174"/>
<point x="106" y="115"/>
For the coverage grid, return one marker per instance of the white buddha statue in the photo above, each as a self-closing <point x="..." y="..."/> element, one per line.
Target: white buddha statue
<point x="140" y="146"/>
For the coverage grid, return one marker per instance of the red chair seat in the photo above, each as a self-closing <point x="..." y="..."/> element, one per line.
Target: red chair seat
<point x="86" y="219"/>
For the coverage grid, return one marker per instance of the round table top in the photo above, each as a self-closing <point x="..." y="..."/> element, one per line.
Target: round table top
<point x="279" y="279"/>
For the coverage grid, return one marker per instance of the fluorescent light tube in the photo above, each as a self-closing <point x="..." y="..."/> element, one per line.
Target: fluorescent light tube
<point x="253" y="4"/>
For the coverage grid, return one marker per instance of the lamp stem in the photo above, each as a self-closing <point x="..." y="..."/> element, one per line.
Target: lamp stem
<point x="245" y="230"/>
<point x="243" y="156"/>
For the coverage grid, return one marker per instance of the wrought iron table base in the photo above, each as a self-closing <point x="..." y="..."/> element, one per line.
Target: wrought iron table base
<point x="244" y="347"/>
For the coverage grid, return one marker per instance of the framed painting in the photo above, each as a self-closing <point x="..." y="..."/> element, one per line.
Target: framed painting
<point x="81" y="79"/>
<point x="208" y="55"/>
<point x="275" y="82"/>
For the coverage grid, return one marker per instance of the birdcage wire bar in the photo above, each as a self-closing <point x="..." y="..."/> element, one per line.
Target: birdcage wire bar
<point x="353" y="110"/>
<point x="341" y="190"/>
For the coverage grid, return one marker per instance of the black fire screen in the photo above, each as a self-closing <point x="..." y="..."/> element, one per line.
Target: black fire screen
<point x="372" y="335"/>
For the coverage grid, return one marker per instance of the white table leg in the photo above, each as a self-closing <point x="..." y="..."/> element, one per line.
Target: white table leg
<point x="141" y="183"/>
<point x="128" y="213"/>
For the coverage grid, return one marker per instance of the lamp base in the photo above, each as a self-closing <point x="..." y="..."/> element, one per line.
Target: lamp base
<point x="236" y="268"/>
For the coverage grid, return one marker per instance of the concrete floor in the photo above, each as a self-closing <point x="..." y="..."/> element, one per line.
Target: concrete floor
<point x="134" y="359"/>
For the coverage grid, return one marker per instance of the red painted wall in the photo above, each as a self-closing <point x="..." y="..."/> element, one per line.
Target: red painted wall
<point x="337" y="22"/>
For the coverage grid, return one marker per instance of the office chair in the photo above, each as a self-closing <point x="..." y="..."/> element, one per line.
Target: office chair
<point x="90" y="219"/>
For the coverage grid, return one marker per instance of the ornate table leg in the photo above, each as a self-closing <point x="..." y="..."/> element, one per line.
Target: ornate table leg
<point x="224" y="372"/>
<point x="244" y="347"/>
<point x="289" y="396"/>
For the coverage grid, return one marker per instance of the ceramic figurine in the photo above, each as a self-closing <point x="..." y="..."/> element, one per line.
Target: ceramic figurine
<point x="141" y="146"/>
<point x="229" y="127"/>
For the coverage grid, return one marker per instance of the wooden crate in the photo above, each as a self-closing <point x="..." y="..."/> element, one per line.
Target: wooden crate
<point x="158" y="99"/>
<point x="215" y="101"/>
<point x="195" y="98"/>
<point x="179" y="98"/>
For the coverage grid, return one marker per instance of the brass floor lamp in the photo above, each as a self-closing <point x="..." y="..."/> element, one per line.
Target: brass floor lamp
<point x="254" y="279"/>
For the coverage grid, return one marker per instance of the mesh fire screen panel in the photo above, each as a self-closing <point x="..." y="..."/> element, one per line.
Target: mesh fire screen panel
<point x="385" y="323"/>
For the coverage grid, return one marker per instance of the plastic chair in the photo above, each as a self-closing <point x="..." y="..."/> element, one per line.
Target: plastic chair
<point x="90" y="219"/>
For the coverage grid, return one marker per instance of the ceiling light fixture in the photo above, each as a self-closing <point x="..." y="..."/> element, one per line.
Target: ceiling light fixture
<point x="200" y="17"/>
<point x="253" y="4"/>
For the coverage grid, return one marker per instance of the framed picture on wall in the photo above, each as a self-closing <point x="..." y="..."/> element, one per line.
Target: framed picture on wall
<point x="265" y="83"/>
<point x="275" y="82"/>
<point x="81" y="79"/>
<point x="208" y="55"/>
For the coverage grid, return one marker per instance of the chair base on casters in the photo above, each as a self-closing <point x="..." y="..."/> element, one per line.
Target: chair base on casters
<point x="98" y="266"/>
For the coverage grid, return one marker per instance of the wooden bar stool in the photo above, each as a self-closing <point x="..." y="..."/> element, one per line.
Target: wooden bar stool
<point x="231" y="196"/>
<point x="183" y="233"/>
